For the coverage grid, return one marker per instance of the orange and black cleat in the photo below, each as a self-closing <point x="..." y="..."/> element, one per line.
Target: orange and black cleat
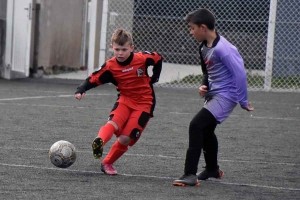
<point x="206" y="174"/>
<point x="187" y="180"/>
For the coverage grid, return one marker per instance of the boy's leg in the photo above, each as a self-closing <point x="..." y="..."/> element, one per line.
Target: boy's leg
<point x="199" y="123"/>
<point x="210" y="148"/>
<point x="132" y="130"/>
<point x="136" y="127"/>
<point x="106" y="132"/>
<point x="210" y="151"/>
<point x="115" y="152"/>
<point x="221" y="108"/>
<point x="116" y="121"/>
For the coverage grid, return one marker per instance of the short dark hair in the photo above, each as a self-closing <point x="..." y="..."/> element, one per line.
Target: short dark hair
<point x="121" y="37"/>
<point x="202" y="16"/>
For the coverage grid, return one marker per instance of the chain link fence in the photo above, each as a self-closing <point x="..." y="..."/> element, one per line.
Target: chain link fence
<point x="265" y="32"/>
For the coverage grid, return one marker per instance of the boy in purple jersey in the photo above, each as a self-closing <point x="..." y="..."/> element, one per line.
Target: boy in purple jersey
<point x="224" y="85"/>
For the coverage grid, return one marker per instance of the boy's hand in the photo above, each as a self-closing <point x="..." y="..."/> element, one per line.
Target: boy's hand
<point x="249" y="108"/>
<point x="202" y="90"/>
<point x="79" y="96"/>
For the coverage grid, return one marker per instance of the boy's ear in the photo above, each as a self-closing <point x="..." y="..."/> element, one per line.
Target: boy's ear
<point x="132" y="47"/>
<point x="204" y="26"/>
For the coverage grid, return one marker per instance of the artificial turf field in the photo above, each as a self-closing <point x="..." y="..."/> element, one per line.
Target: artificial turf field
<point x="258" y="151"/>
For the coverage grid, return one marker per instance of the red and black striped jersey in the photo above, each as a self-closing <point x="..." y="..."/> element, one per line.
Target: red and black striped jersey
<point x="130" y="78"/>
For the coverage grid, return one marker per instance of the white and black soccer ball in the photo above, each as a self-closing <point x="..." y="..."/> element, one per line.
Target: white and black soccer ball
<point x="62" y="154"/>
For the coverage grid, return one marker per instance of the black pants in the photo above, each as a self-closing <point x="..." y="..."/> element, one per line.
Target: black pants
<point x="202" y="136"/>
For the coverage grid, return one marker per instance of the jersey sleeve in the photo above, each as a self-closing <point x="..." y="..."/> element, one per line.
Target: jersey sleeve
<point x="203" y="67"/>
<point x="99" y="77"/>
<point x="155" y="59"/>
<point x="235" y="64"/>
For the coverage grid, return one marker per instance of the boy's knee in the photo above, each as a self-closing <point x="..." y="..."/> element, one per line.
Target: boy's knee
<point x="124" y="140"/>
<point x="195" y="125"/>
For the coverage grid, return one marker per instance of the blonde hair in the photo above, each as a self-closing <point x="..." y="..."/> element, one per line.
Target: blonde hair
<point x="121" y="37"/>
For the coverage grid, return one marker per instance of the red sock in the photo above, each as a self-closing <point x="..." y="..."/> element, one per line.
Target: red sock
<point x="106" y="132"/>
<point x="116" y="151"/>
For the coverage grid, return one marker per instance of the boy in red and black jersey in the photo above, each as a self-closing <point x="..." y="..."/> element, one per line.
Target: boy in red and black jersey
<point x="135" y="104"/>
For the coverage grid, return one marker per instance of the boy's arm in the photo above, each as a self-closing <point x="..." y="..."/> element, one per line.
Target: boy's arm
<point x="205" y="76"/>
<point x="156" y="68"/>
<point x="203" y="67"/>
<point x="154" y="59"/>
<point x="99" y="77"/>
<point x="235" y="64"/>
<point x="85" y="86"/>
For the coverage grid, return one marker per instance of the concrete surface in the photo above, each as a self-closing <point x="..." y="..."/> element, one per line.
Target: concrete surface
<point x="170" y="72"/>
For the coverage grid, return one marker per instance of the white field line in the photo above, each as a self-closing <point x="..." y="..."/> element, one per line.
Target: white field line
<point x="37" y="91"/>
<point x="107" y="94"/>
<point x="271" y="118"/>
<point x="163" y="156"/>
<point x="250" y="116"/>
<point x="53" y="106"/>
<point x="174" y="97"/>
<point x="47" y="97"/>
<point x="85" y="107"/>
<point x="148" y="176"/>
<point x="252" y="102"/>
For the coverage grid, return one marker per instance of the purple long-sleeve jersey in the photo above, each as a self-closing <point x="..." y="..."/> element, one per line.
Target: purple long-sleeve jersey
<point x="226" y="72"/>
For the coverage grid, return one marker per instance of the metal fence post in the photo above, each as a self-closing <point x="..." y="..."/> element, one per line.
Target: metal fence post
<point x="270" y="45"/>
<point x="103" y="33"/>
<point x="95" y="8"/>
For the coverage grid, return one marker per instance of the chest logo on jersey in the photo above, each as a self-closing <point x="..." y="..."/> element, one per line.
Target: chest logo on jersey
<point x="139" y="72"/>
<point x="208" y="62"/>
<point x="127" y="69"/>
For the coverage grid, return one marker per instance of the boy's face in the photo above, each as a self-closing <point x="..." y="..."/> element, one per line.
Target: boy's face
<point x="199" y="32"/>
<point x="122" y="52"/>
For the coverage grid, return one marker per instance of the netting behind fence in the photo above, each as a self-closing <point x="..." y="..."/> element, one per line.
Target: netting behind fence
<point x="159" y="26"/>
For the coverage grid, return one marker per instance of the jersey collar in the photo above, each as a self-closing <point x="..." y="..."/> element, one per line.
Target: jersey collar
<point x="217" y="39"/>
<point x="126" y="62"/>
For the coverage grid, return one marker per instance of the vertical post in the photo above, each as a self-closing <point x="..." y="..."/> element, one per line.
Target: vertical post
<point x="30" y="36"/>
<point x="94" y="35"/>
<point x="83" y="62"/>
<point x="103" y="32"/>
<point x="9" y="39"/>
<point x="270" y="45"/>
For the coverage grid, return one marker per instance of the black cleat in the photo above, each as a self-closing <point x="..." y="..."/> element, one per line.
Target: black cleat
<point x="187" y="180"/>
<point x="206" y="174"/>
<point x="97" y="148"/>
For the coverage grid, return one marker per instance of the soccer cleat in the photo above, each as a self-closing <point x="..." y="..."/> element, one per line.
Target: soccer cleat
<point x="108" y="169"/>
<point x="187" y="180"/>
<point x="205" y="174"/>
<point x="97" y="148"/>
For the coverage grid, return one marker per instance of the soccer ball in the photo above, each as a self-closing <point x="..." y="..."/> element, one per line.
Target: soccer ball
<point x="62" y="154"/>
